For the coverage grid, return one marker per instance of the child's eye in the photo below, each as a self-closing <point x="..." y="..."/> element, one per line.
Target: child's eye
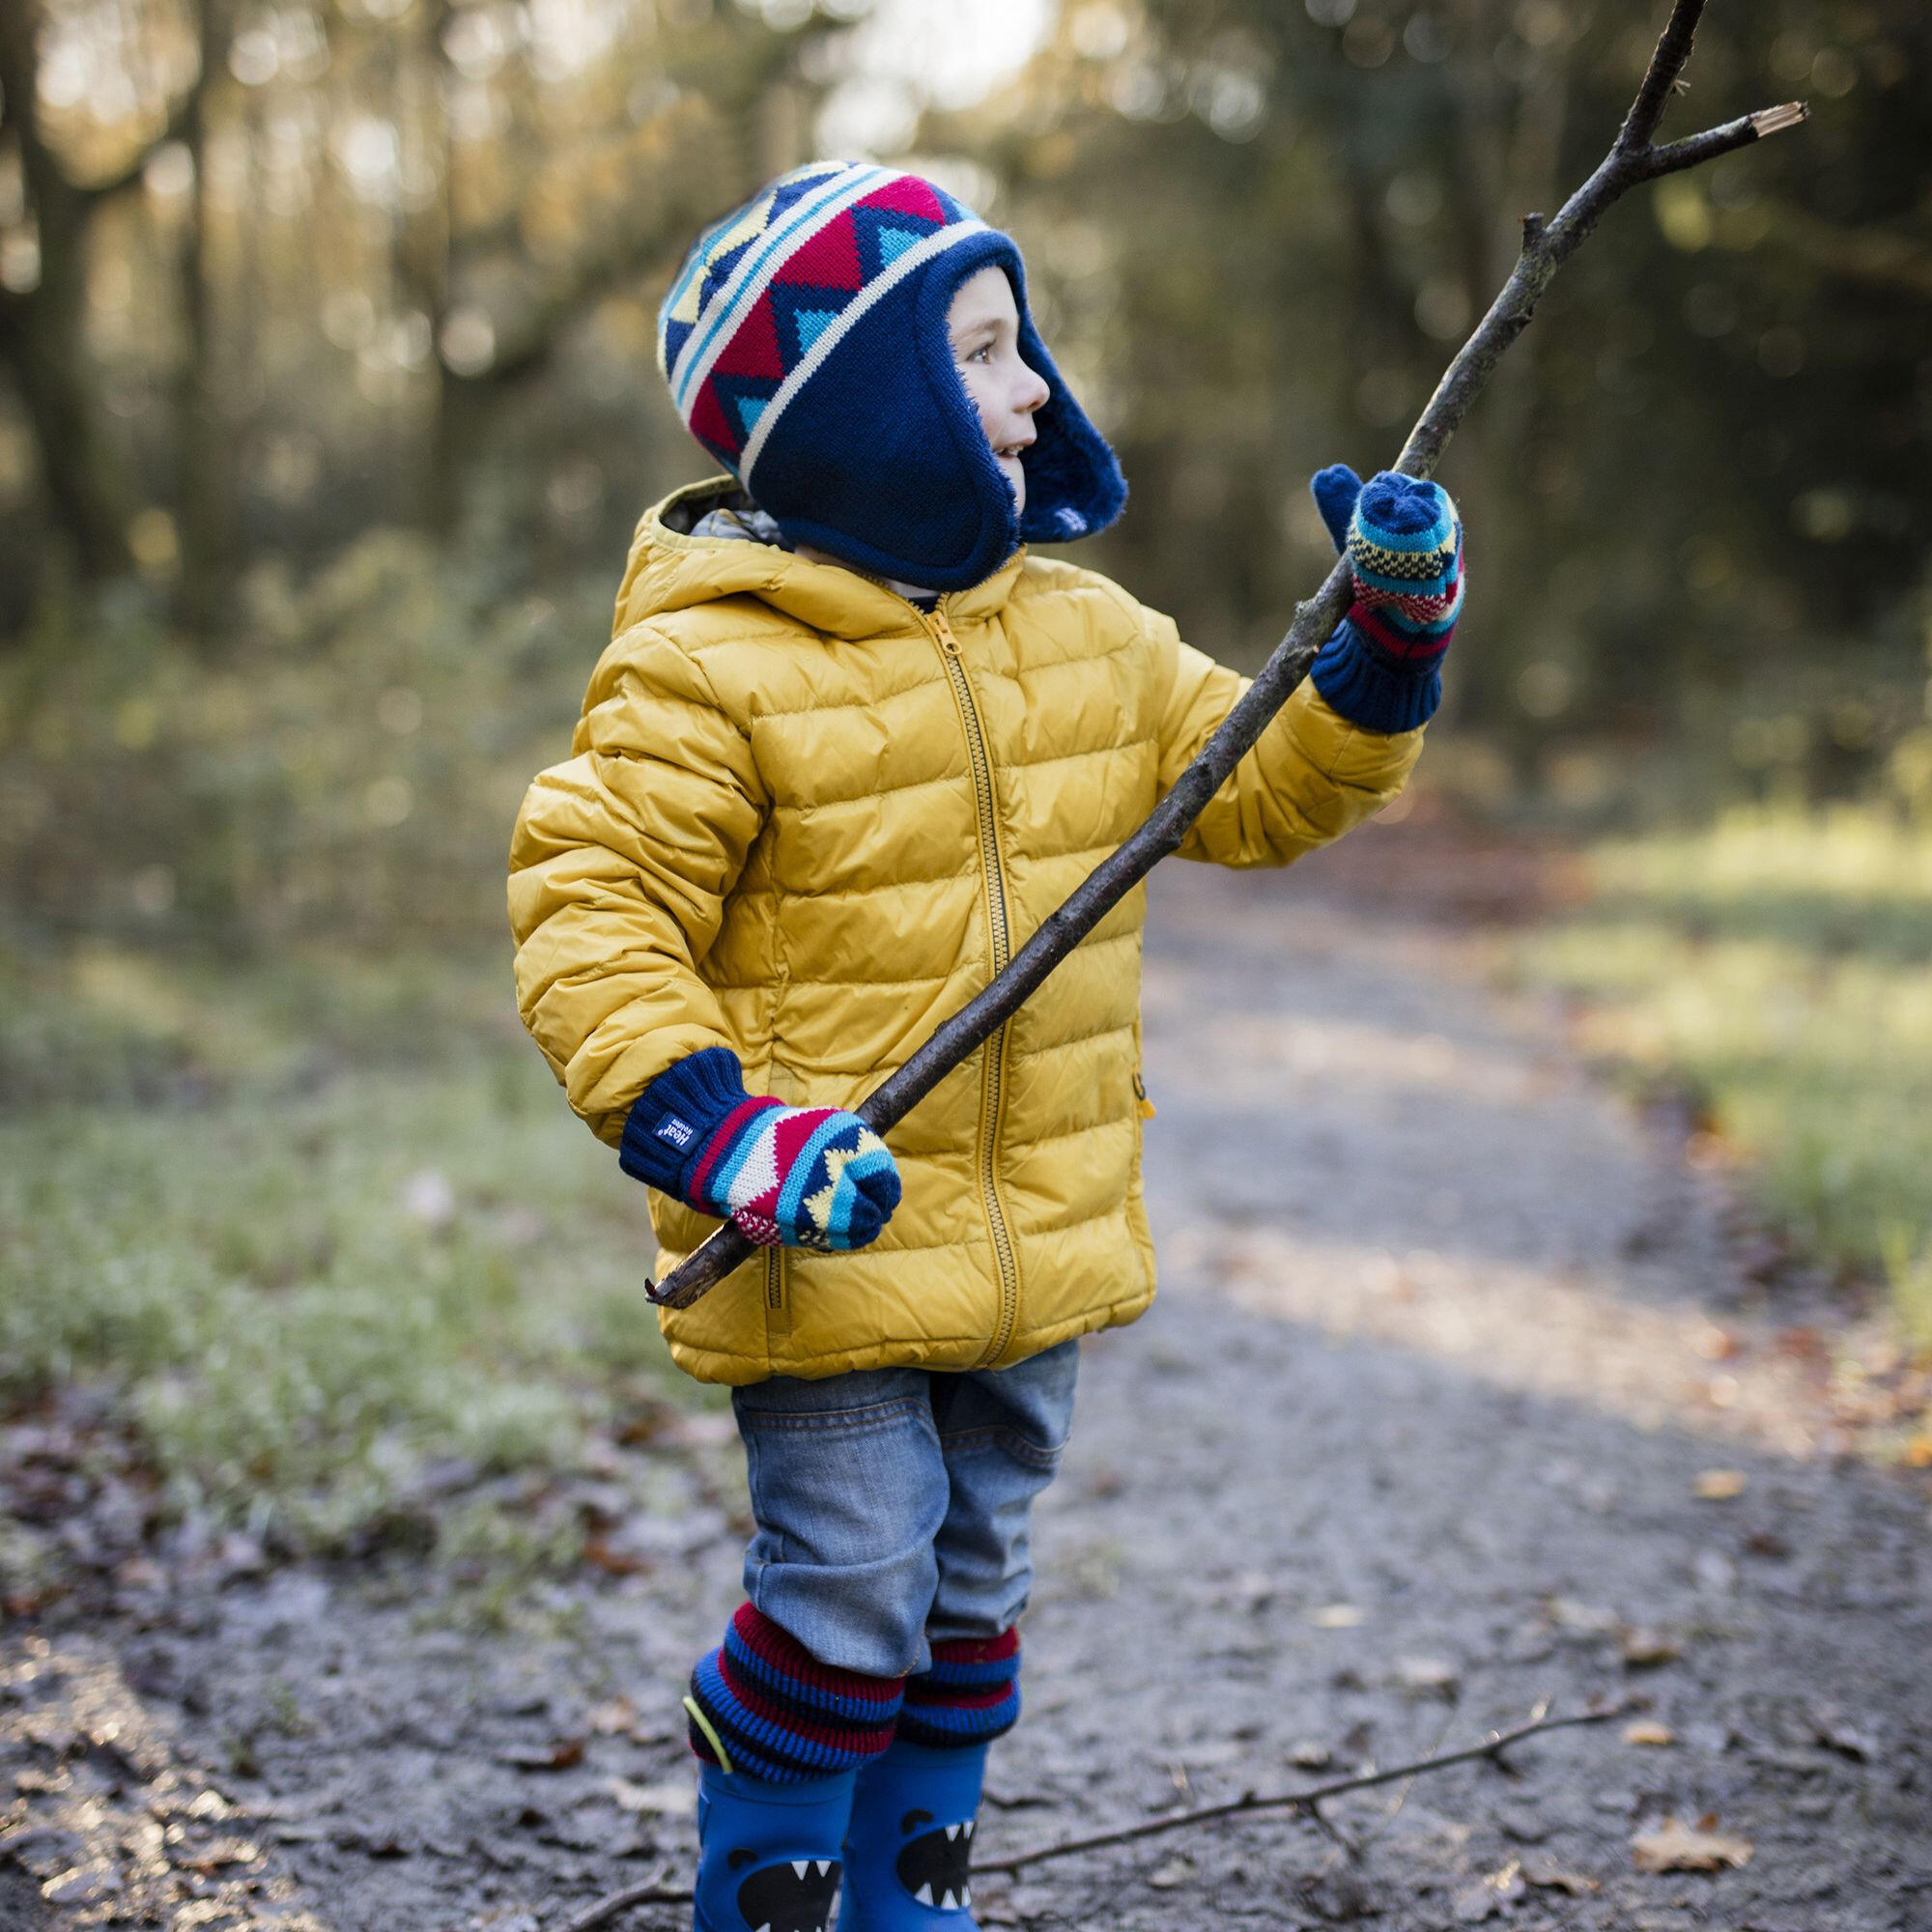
<point x="983" y="353"/>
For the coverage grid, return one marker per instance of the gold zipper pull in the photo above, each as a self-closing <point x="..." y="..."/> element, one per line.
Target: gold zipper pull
<point x="948" y="642"/>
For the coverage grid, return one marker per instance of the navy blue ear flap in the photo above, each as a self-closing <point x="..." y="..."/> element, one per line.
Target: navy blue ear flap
<point x="1074" y="485"/>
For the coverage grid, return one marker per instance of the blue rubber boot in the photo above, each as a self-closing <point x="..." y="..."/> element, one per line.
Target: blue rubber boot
<point x="768" y="1854"/>
<point x="911" y="1840"/>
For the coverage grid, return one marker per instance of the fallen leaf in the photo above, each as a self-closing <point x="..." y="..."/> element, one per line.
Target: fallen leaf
<point x="612" y="1718"/>
<point x="1553" y="1877"/>
<point x="1674" y="1846"/>
<point x="1567" y="1614"/>
<point x="217" y="1853"/>
<point x="1337" y="1617"/>
<point x="1427" y="1676"/>
<point x="1177" y="1871"/>
<point x="1642" y="1648"/>
<point x="1648" y="1731"/>
<point x="1719" y="1485"/>
<point x="1919" y="1452"/>
<point x="566" y="1754"/>
<point x="1489" y="1895"/>
<point x="84" y="1885"/>
<point x="601" y="1555"/>
<point x="674" y="1798"/>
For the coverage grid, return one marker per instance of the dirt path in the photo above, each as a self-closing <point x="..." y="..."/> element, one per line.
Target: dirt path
<point x="1412" y="1441"/>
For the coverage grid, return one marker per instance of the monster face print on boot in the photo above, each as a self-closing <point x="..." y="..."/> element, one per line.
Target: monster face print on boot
<point x="932" y="1863"/>
<point x="768" y="1852"/>
<point x="793" y="1895"/>
<point x="910" y="1845"/>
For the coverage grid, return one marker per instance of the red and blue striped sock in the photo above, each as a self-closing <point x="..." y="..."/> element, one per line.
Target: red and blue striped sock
<point x="780" y="1714"/>
<point x="971" y="1694"/>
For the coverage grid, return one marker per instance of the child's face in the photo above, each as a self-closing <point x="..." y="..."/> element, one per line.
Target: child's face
<point x="983" y="325"/>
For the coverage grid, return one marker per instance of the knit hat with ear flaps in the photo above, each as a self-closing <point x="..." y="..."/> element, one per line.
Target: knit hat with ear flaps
<point x="805" y="343"/>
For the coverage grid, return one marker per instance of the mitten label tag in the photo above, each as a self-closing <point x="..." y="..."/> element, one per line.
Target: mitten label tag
<point x="677" y="1132"/>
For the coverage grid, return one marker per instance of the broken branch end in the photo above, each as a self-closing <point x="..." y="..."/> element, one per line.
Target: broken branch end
<point x="1776" y="120"/>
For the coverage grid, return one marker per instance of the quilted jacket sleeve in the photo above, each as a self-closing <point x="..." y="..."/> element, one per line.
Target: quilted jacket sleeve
<point x="620" y="867"/>
<point x="1309" y="779"/>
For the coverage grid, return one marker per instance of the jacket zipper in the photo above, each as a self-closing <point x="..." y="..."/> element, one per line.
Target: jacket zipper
<point x="992" y="1088"/>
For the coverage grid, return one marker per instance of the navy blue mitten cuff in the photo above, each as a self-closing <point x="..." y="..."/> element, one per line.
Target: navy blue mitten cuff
<point x="678" y="1113"/>
<point x="1371" y="689"/>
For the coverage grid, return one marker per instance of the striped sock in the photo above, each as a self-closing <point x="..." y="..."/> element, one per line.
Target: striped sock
<point x="972" y="1693"/>
<point x="781" y="1714"/>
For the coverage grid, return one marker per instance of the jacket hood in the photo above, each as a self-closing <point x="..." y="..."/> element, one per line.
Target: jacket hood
<point x="671" y="569"/>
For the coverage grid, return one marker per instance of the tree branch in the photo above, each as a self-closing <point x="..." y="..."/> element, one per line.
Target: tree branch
<point x="1491" y="1749"/>
<point x="1546" y="246"/>
<point x="1666" y="65"/>
<point x="653" y="1892"/>
<point x="1688" y="152"/>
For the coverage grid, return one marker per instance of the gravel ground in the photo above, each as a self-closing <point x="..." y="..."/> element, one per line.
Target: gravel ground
<point x="1455" y="1401"/>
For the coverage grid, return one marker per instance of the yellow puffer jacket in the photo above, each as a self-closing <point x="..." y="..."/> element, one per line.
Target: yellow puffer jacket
<point x="804" y="820"/>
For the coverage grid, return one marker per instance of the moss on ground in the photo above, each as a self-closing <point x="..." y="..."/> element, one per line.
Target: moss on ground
<point x="356" y="1254"/>
<point x="1778" y="965"/>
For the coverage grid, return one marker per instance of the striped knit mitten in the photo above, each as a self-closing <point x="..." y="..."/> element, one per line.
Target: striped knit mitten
<point x="800" y="1176"/>
<point x="1382" y="668"/>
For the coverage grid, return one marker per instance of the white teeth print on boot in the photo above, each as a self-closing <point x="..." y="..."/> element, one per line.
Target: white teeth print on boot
<point x="908" y="1854"/>
<point x="768" y="1853"/>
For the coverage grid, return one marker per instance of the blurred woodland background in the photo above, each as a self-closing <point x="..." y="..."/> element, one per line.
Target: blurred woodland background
<point x="327" y="403"/>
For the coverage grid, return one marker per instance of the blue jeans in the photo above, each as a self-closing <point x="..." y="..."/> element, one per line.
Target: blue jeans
<point x="893" y="1504"/>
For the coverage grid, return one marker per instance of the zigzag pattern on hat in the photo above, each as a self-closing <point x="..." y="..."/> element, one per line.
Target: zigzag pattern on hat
<point x="768" y="293"/>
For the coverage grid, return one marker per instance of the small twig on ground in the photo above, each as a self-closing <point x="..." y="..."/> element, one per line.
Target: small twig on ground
<point x="1388" y="1817"/>
<point x="1306" y="1801"/>
<point x="650" y="1892"/>
<point x="1334" y="1833"/>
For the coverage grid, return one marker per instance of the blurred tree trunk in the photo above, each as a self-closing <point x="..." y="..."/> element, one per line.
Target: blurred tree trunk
<point x="422" y="252"/>
<point x="205" y="480"/>
<point x="90" y="480"/>
<point x="699" y="159"/>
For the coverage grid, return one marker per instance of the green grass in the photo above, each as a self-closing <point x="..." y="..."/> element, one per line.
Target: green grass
<point x="365" y="1239"/>
<point x="1779" y="965"/>
<point x="291" y="1212"/>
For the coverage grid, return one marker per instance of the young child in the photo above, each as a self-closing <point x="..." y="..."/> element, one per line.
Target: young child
<point x="849" y="746"/>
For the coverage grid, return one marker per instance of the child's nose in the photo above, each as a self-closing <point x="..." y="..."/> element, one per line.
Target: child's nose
<point x="1035" y="392"/>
